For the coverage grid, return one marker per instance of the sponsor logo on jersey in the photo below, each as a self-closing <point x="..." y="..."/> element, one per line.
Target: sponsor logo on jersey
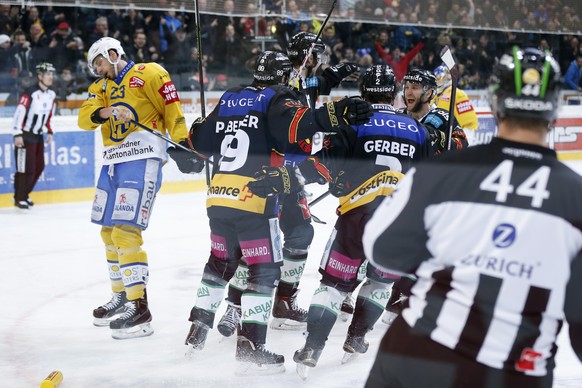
<point x="504" y="235"/>
<point x="141" y="67"/>
<point x="464" y="106"/>
<point x="146" y="203"/>
<point x="527" y="361"/>
<point x="499" y="265"/>
<point x="169" y="93"/>
<point x="224" y="192"/>
<point x="381" y="181"/>
<point x="136" y="82"/>
<point x="390" y="123"/>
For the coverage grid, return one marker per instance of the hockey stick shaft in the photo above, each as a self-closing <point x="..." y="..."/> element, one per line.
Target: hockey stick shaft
<point x="316" y="38"/>
<point x="172" y="142"/>
<point x="449" y="61"/>
<point x="319" y="199"/>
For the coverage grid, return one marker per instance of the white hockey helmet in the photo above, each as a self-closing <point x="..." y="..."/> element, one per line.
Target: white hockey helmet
<point x="102" y="47"/>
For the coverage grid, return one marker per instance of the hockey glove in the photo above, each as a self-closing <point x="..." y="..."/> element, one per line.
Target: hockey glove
<point x="339" y="186"/>
<point x="188" y="162"/>
<point x="438" y="140"/>
<point x="350" y="111"/>
<point x="313" y="171"/>
<point x="336" y="74"/>
<point x="274" y="180"/>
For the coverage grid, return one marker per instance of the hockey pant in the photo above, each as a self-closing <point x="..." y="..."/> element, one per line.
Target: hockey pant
<point x="340" y="269"/>
<point x="30" y="165"/>
<point x="252" y="240"/>
<point x="128" y="263"/>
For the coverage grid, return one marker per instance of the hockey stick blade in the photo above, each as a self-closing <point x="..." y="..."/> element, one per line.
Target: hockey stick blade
<point x="447" y="57"/>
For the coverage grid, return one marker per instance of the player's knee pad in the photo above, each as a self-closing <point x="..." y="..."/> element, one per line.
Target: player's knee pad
<point x="209" y="295"/>
<point x="298" y="238"/>
<point x="325" y="298"/>
<point x="106" y="232"/>
<point x="376" y="293"/>
<point x="264" y="276"/>
<point x="126" y="236"/>
<point x="240" y="278"/>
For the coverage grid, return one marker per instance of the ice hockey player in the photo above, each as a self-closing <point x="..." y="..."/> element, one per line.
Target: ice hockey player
<point x="487" y="308"/>
<point x="464" y="110"/>
<point x="131" y="175"/>
<point x="364" y="166"/>
<point x="294" y="214"/>
<point x="244" y="226"/>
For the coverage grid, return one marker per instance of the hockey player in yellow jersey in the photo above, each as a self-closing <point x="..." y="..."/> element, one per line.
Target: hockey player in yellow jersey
<point x="464" y="110"/>
<point x="131" y="174"/>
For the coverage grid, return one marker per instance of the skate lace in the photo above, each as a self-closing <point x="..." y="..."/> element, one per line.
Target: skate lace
<point x="130" y="310"/>
<point x="113" y="303"/>
<point x="293" y="305"/>
<point x="231" y="317"/>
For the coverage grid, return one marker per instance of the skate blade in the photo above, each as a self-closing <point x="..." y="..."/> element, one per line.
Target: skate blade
<point x="252" y="369"/>
<point x="287" y="324"/>
<point x="143" y="330"/>
<point x="302" y="370"/>
<point x="349" y="357"/>
<point x="345" y="316"/>
<point x="192" y="351"/>
<point x="101" y="322"/>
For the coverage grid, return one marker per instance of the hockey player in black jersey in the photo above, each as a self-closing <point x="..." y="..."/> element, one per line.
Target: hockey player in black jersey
<point x="487" y="308"/>
<point x="363" y="166"/>
<point x="419" y="87"/>
<point x="294" y="213"/>
<point x="242" y="132"/>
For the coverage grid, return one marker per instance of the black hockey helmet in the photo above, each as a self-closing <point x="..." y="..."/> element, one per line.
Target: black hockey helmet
<point x="44" y="67"/>
<point x="379" y="83"/>
<point x="271" y="67"/>
<point x="423" y="77"/>
<point x="526" y="83"/>
<point x="299" y="45"/>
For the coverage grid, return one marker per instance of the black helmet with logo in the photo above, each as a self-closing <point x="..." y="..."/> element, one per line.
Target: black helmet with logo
<point x="526" y="83"/>
<point x="271" y="67"/>
<point x="378" y="83"/>
<point x="299" y="45"/>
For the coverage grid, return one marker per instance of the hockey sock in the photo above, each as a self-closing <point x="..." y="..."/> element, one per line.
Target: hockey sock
<point x="112" y="260"/>
<point x="323" y="311"/>
<point x="208" y="299"/>
<point x="133" y="260"/>
<point x="237" y="284"/>
<point x="256" y="310"/>
<point x="370" y="303"/>
<point x="291" y="272"/>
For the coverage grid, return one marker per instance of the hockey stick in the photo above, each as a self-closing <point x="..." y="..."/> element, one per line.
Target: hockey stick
<point x="172" y="142"/>
<point x="308" y="55"/>
<point x="319" y="199"/>
<point x="449" y="62"/>
<point x="201" y="77"/>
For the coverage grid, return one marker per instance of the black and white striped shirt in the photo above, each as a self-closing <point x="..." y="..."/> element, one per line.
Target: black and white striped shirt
<point x="34" y="111"/>
<point x="494" y="234"/>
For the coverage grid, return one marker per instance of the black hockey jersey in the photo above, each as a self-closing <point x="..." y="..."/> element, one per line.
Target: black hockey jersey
<point x="497" y="294"/>
<point x="374" y="156"/>
<point x="246" y="126"/>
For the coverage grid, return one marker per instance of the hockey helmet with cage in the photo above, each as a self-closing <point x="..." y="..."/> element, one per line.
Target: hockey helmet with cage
<point x="44" y="67"/>
<point x="422" y="77"/>
<point x="526" y="83"/>
<point x="443" y="78"/>
<point x="299" y="46"/>
<point x="102" y="47"/>
<point x="378" y="83"/>
<point x="271" y="67"/>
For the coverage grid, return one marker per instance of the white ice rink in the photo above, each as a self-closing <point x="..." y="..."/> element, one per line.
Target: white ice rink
<point x="53" y="273"/>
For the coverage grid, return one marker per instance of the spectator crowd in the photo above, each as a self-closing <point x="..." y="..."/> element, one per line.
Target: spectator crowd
<point x="408" y="36"/>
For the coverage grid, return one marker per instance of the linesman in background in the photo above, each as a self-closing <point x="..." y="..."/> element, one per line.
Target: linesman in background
<point x="33" y="114"/>
<point x="487" y="307"/>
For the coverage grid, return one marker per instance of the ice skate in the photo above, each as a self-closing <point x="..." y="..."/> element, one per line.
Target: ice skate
<point x="287" y="315"/>
<point x="306" y="358"/>
<point x="196" y="338"/>
<point x="134" y="321"/>
<point x="347" y="308"/>
<point x="394" y="307"/>
<point x="255" y="359"/>
<point x="109" y="311"/>
<point x="230" y="321"/>
<point x="354" y="346"/>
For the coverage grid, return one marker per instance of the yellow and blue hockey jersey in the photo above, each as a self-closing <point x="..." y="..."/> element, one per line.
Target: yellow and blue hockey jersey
<point x="148" y="92"/>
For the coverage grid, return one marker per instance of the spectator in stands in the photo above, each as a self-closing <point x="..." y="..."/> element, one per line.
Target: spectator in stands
<point x="398" y="60"/>
<point x="221" y="82"/>
<point x="573" y="75"/>
<point x="178" y="58"/>
<point x="169" y="24"/>
<point x="65" y="48"/>
<point x="140" y="51"/>
<point x="22" y="53"/>
<point x="51" y="18"/>
<point x="101" y="30"/>
<point x="32" y="16"/>
<point x="6" y="60"/>
<point x="231" y="52"/>
<point x="68" y="83"/>
<point x="7" y="24"/>
<point x="132" y="22"/>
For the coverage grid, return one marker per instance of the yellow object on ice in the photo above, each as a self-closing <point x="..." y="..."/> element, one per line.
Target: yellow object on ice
<point x="53" y="380"/>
